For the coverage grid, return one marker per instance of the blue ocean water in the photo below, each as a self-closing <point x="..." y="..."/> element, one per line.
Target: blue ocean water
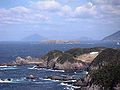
<point x="10" y="50"/>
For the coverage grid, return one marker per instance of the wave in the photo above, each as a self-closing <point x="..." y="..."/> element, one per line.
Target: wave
<point x="5" y="81"/>
<point x="7" y="67"/>
<point x="34" y="67"/>
<point x="70" y="81"/>
<point x="69" y="86"/>
<point x="55" y="70"/>
<point x="50" y="80"/>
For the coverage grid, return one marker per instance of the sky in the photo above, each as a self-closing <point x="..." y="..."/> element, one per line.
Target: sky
<point x="58" y="19"/>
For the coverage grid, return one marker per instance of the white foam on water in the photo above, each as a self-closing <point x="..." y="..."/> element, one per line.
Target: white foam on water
<point x="75" y="72"/>
<point x="3" y="66"/>
<point x="55" y="70"/>
<point x="8" y="81"/>
<point x="70" y="81"/>
<point x="71" y="87"/>
<point x="5" y="81"/>
<point x="7" y="67"/>
<point x="50" y="80"/>
<point x="52" y="70"/>
<point x="34" y="67"/>
<point x="85" y="72"/>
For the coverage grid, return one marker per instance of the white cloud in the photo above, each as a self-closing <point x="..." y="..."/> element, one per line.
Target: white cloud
<point x="47" y="5"/>
<point x="108" y="6"/>
<point x="104" y="2"/>
<point x="85" y="11"/>
<point x="20" y="9"/>
<point x="21" y="14"/>
<point x="46" y="11"/>
<point x="66" y="11"/>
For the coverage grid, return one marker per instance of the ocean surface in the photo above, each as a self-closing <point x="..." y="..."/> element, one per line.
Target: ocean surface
<point x="10" y="50"/>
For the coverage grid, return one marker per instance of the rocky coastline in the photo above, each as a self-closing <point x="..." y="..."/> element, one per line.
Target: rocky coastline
<point x="89" y="60"/>
<point x="71" y="60"/>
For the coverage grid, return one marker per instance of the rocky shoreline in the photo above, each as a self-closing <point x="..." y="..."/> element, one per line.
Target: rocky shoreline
<point x="73" y="60"/>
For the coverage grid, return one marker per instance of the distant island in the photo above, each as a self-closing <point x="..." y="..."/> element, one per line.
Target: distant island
<point x="61" y="41"/>
<point x="41" y="39"/>
<point x="115" y="37"/>
<point x="33" y="38"/>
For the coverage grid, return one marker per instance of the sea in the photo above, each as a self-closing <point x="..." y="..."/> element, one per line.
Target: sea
<point x="10" y="50"/>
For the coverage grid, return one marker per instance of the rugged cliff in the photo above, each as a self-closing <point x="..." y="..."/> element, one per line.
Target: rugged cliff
<point x="104" y="71"/>
<point x="70" y="59"/>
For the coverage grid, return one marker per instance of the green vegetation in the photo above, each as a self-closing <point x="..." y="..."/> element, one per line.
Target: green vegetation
<point x="107" y="77"/>
<point x="107" y="56"/>
<point x="66" y="57"/>
<point x="78" y="51"/>
<point x="52" y="55"/>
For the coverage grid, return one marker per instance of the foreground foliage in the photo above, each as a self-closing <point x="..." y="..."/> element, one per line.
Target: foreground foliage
<point x="107" y="77"/>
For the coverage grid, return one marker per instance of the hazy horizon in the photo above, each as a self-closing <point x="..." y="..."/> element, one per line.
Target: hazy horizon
<point x="58" y="19"/>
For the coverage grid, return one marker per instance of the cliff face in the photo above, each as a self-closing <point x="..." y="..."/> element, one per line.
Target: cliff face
<point x="58" y="60"/>
<point x="113" y="37"/>
<point x="107" y="56"/>
<point x="69" y="60"/>
<point x="104" y="71"/>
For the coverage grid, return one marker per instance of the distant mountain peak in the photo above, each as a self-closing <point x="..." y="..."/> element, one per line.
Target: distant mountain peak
<point x="113" y="37"/>
<point x="33" y="37"/>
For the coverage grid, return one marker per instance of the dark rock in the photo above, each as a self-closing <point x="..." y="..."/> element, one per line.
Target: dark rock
<point x="61" y="78"/>
<point x="81" y="82"/>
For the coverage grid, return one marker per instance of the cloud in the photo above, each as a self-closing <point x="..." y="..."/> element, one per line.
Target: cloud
<point x="104" y="2"/>
<point x="86" y="11"/>
<point x="20" y="9"/>
<point x="108" y="7"/>
<point x="66" y="11"/>
<point x="21" y="14"/>
<point x="47" y="5"/>
<point x="47" y="11"/>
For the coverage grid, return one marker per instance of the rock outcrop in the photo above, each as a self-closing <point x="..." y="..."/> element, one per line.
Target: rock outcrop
<point x="61" y="78"/>
<point x="50" y="58"/>
<point x="25" y="61"/>
<point x="69" y="60"/>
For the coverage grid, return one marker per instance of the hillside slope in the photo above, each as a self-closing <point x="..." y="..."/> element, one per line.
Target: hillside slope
<point x="113" y="37"/>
